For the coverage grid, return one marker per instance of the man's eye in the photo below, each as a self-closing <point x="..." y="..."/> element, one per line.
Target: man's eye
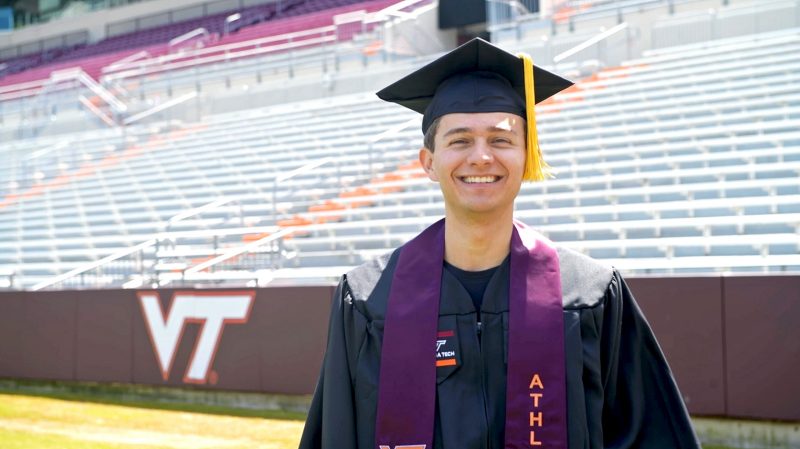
<point x="502" y="140"/>
<point x="458" y="142"/>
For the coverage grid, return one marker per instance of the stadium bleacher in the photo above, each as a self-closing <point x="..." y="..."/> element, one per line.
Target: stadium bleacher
<point x="685" y="160"/>
<point x="260" y="20"/>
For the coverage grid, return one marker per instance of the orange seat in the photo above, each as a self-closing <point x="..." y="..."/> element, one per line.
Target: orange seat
<point x="295" y="221"/>
<point x="249" y="238"/>
<point x="359" y="192"/>
<point x="326" y="206"/>
<point x="199" y="260"/>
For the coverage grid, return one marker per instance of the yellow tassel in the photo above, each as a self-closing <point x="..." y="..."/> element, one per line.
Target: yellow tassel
<point x="536" y="169"/>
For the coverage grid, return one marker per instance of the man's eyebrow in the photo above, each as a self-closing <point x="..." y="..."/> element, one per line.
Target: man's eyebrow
<point x="468" y="130"/>
<point x="457" y="131"/>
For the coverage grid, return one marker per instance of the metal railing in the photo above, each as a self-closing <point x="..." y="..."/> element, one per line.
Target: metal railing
<point x="599" y="39"/>
<point x="626" y="30"/>
<point x="217" y="54"/>
<point x="286" y="42"/>
<point x="127" y="60"/>
<point x="159" y="107"/>
<point x="88" y="271"/>
<point x="694" y="27"/>
<point x="77" y="74"/>
<point x="617" y="10"/>
<point x="196" y="35"/>
<point x="231" y="19"/>
<point x="7" y="278"/>
<point x="166" y="256"/>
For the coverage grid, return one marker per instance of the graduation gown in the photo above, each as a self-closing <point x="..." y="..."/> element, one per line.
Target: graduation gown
<point x="620" y="391"/>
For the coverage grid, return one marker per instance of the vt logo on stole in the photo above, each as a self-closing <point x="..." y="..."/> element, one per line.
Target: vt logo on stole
<point x="446" y="349"/>
<point x="405" y="446"/>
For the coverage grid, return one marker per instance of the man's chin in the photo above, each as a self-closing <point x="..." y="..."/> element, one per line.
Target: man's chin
<point x="479" y="211"/>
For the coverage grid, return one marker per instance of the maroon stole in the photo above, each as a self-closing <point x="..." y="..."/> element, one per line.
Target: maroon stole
<point x="536" y="411"/>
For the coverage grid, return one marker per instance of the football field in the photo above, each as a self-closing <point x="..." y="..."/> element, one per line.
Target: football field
<point x="73" y="422"/>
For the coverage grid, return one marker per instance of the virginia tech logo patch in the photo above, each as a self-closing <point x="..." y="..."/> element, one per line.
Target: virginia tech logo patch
<point x="446" y="349"/>
<point x="212" y="310"/>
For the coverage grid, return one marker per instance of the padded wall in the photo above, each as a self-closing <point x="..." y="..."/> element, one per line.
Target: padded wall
<point x="733" y="342"/>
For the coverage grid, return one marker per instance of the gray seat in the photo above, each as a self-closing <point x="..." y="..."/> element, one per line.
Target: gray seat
<point x="641" y="233"/>
<point x="689" y="251"/>
<point x="769" y="228"/>
<point x="604" y="253"/>
<point x="733" y="250"/>
<point x="681" y="231"/>
<point x="600" y="234"/>
<point x="783" y="248"/>
<point x="563" y="236"/>
<point x="789" y="208"/>
<point x="644" y="252"/>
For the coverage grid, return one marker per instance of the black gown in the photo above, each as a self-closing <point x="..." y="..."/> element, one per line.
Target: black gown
<point x="620" y="391"/>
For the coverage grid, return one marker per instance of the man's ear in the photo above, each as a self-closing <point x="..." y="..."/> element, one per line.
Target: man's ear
<point x="426" y="159"/>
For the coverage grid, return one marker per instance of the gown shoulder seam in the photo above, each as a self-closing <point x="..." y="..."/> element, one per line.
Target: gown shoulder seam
<point x="599" y="302"/>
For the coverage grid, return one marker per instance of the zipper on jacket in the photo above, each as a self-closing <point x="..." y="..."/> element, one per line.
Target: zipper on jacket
<point x="478" y="330"/>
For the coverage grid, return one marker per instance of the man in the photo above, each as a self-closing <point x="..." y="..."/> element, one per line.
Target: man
<point x="479" y="333"/>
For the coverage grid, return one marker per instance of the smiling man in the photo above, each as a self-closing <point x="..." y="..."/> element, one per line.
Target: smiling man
<point x="480" y="333"/>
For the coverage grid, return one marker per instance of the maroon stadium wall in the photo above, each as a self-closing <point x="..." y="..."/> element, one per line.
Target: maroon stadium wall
<point x="733" y="342"/>
<point x="276" y="346"/>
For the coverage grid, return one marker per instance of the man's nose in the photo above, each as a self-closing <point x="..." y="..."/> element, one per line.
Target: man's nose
<point x="481" y="153"/>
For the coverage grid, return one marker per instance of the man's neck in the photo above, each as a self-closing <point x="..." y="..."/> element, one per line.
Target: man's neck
<point x="475" y="245"/>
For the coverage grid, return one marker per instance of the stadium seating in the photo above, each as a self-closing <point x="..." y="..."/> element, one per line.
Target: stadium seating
<point x="668" y="164"/>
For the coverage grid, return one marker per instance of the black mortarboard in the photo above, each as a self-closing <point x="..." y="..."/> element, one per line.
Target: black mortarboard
<point x="478" y="77"/>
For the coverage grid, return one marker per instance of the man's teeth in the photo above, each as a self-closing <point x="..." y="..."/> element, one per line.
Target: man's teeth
<point x="479" y="179"/>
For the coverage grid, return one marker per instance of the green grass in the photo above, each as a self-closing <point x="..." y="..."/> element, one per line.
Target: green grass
<point x="28" y="422"/>
<point x="161" y="405"/>
<point x="106" y="418"/>
<point x="25" y="440"/>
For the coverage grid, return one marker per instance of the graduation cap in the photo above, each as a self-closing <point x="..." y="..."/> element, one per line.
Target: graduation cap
<point x="480" y="77"/>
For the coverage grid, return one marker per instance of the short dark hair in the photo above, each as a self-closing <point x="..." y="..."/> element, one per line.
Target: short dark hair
<point x="430" y="135"/>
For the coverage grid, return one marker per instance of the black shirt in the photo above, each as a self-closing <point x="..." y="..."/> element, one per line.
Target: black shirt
<point x="474" y="282"/>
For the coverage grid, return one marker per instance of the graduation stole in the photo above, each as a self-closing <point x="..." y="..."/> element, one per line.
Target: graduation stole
<point x="536" y="411"/>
